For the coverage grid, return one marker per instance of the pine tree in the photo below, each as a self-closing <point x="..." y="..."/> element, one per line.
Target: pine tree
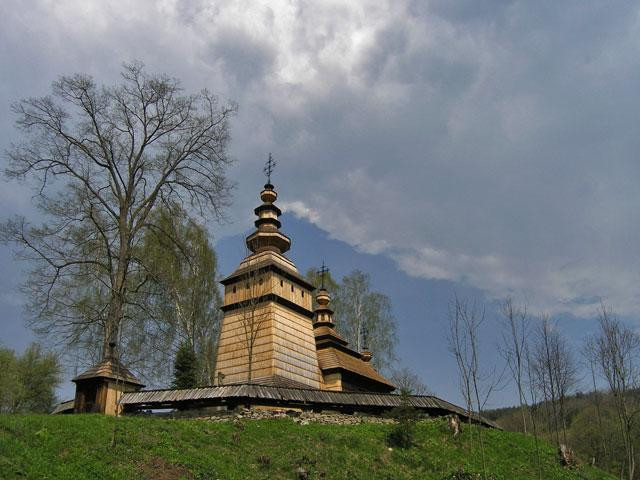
<point x="185" y="367"/>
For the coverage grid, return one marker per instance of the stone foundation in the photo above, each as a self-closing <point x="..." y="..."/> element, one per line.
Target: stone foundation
<point x="302" y="418"/>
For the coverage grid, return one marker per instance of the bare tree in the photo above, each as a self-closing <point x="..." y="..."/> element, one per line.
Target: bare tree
<point x="459" y="347"/>
<point x="409" y="382"/>
<point x="542" y="369"/>
<point x="617" y="348"/>
<point x="102" y="159"/>
<point x="477" y="382"/>
<point x="533" y="397"/>
<point x="555" y="372"/>
<point x="516" y="326"/>
<point x="590" y="355"/>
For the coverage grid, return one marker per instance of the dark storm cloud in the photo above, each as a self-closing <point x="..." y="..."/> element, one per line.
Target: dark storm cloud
<point x="488" y="143"/>
<point x="243" y="59"/>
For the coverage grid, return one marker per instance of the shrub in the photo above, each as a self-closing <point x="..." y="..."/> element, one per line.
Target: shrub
<point x="402" y="433"/>
<point x="460" y="474"/>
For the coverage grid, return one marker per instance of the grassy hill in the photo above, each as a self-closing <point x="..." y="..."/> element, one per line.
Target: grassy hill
<point x="79" y="446"/>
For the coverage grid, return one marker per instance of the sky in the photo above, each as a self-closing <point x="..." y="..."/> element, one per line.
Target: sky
<point x="475" y="146"/>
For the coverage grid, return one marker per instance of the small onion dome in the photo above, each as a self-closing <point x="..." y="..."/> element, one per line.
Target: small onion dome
<point x="323" y="326"/>
<point x="366" y="356"/>
<point x="323" y="315"/>
<point x="323" y="298"/>
<point x="268" y="237"/>
<point x="268" y="195"/>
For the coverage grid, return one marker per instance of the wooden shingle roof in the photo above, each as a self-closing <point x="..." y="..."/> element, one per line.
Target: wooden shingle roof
<point x="63" y="407"/>
<point x="333" y="351"/>
<point x="205" y="396"/>
<point x="276" y="381"/>
<point x="112" y="368"/>
<point x="332" y="358"/>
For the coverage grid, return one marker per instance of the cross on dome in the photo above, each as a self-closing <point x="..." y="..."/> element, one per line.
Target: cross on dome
<point x="322" y="271"/>
<point x="268" y="167"/>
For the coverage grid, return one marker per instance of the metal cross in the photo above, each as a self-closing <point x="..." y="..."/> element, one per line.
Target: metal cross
<point x="322" y="271"/>
<point x="365" y="337"/>
<point x="268" y="167"/>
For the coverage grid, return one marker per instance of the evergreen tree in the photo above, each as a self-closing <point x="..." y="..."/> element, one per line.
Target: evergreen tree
<point x="185" y="367"/>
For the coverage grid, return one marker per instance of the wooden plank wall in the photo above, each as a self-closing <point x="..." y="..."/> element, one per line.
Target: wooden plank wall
<point x="285" y="344"/>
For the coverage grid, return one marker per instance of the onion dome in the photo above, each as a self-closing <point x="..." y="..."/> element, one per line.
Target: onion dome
<point x="334" y="353"/>
<point x="323" y="326"/>
<point x="323" y="313"/>
<point x="268" y="237"/>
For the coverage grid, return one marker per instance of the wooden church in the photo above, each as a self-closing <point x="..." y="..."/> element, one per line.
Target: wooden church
<point x="270" y="334"/>
<point x="275" y="351"/>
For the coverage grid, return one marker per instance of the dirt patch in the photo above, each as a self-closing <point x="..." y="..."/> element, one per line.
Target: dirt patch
<point x="159" y="469"/>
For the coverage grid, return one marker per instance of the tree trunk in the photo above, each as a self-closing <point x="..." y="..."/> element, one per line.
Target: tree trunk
<point x="118" y="293"/>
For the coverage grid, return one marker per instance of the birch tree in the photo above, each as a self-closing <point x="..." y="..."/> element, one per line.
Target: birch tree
<point x="183" y="266"/>
<point x="364" y="316"/>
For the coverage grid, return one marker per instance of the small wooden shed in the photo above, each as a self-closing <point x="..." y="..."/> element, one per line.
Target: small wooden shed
<point x="100" y="388"/>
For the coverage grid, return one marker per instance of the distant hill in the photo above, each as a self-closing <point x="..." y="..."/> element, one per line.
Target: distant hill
<point x="79" y="446"/>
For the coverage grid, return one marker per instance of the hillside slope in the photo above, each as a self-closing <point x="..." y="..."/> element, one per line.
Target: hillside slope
<point x="592" y="427"/>
<point x="79" y="446"/>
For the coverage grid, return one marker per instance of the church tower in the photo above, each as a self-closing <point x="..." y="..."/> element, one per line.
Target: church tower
<point x="343" y="369"/>
<point x="267" y="332"/>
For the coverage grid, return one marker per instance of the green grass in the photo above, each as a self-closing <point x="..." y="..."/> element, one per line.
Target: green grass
<point x="79" y="447"/>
